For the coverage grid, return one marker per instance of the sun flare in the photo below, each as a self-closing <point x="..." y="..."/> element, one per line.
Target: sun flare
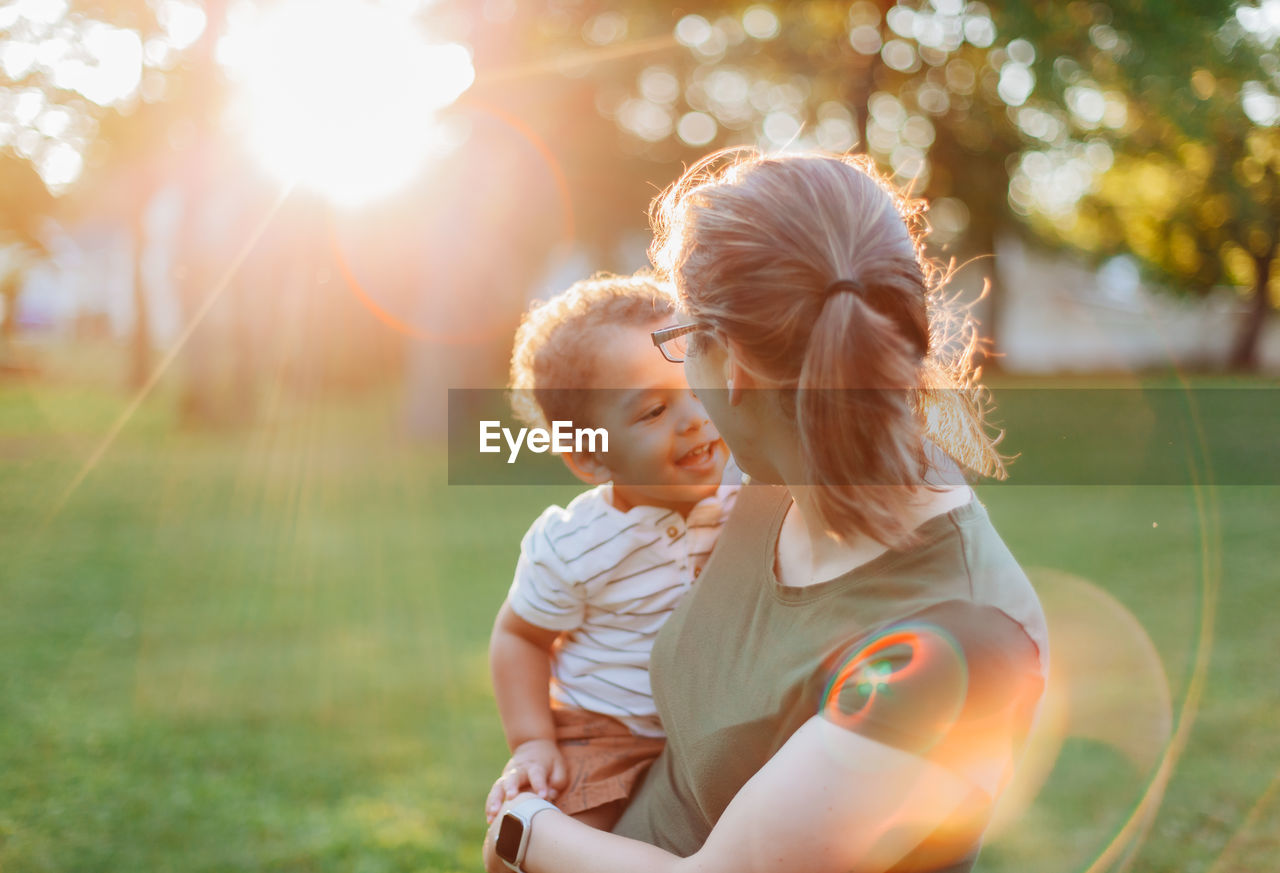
<point x="340" y="96"/>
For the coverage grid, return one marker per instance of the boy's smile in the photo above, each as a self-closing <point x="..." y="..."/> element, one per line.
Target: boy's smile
<point x="663" y="449"/>
<point x="700" y="456"/>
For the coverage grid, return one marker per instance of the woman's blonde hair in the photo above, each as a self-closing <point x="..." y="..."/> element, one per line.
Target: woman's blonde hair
<point x="813" y="265"/>
<point x="557" y="343"/>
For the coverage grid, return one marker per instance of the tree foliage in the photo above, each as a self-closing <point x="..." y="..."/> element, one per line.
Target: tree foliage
<point x="1107" y="126"/>
<point x="914" y="84"/>
<point x="1173" y="108"/>
<point x="1083" y="121"/>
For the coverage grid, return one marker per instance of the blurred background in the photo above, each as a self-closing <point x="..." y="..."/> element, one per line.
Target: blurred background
<point x="246" y="248"/>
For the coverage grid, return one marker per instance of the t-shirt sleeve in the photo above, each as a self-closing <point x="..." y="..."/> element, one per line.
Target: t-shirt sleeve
<point x="543" y="591"/>
<point x="958" y="683"/>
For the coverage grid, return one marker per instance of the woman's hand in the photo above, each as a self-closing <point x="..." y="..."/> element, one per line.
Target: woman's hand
<point x="492" y="863"/>
<point x="560" y="844"/>
<point x="535" y="764"/>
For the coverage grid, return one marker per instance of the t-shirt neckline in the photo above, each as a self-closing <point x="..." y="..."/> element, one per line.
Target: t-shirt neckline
<point x="641" y="512"/>
<point x="644" y="512"/>
<point x="929" y="531"/>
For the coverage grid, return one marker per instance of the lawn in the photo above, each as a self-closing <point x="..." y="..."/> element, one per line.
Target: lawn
<point x="265" y="650"/>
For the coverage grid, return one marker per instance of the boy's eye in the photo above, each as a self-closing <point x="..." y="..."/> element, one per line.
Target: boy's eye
<point x="653" y="413"/>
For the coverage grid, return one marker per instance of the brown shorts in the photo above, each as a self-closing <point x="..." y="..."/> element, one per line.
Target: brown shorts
<point x="604" y="759"/>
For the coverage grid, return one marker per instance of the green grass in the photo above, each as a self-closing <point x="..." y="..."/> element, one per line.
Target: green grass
<point x="265" y="650"/>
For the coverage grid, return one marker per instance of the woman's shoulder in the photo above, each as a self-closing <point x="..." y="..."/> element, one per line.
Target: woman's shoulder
<point x="958" y="683"/>
<point x="977" y="631"/>
<point x="997" y="582"/>
<point x="758" y="496"/>
<point x="752" y="511"/>
<point x="960" y="577"/>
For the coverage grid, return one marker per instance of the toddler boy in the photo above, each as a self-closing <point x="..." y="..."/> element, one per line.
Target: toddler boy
<point x="596" y="579"/>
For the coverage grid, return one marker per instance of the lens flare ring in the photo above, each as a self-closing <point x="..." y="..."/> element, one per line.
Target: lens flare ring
<point x="872" y="675"/>
<point x="568" y="231"/>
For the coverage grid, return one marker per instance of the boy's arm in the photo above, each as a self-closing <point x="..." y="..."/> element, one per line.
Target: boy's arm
<point x="520" y="660"/>
<point x="520" y="663"/>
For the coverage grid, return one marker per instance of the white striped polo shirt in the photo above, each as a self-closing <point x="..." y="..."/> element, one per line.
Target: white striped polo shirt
<point x="609" y="579"/>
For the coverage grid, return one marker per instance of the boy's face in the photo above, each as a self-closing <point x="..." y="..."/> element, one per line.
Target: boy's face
<point x="663" y="449"/>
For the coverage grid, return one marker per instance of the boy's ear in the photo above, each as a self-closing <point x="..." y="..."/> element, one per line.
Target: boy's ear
<point x="587" y="467"/>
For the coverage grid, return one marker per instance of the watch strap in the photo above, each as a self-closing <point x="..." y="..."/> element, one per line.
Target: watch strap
<point x="525" y="810"/>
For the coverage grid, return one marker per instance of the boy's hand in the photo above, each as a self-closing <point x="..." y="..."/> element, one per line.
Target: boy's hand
<point x="537" y="764"/>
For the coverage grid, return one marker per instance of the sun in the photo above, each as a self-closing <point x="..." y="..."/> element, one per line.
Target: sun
<point x="340" y="96"/>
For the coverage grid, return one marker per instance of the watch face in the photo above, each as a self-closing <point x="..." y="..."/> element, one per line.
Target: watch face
<point x="509" y="833"/>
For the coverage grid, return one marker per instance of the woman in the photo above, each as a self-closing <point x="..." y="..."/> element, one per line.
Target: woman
<point x="849" y="684"/>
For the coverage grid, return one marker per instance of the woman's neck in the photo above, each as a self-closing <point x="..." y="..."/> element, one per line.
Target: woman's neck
<point x="807" y="554"/>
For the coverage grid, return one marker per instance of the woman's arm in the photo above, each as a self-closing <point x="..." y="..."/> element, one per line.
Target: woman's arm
<point x="833" y="801"/>
<point x="830" y="801"/>
<point x="917" y="733"/>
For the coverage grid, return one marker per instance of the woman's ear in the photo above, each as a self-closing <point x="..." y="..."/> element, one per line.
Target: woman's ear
<point x="587" y="467"/>
<point x="736" y="377"/>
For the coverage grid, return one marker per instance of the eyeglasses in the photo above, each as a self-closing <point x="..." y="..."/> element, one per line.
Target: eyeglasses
<point x="673" y="342"/>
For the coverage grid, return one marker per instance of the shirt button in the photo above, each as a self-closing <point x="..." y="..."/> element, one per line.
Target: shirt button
<point x="672" y="531"/>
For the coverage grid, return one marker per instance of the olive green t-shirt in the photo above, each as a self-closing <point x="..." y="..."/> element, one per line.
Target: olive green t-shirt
<point x="939" y="647"/>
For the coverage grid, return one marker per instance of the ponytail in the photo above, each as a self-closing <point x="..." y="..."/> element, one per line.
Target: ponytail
<point x="857" y="426"/>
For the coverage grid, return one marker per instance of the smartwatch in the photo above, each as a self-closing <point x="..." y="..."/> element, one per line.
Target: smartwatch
<point x="514" y="830"/>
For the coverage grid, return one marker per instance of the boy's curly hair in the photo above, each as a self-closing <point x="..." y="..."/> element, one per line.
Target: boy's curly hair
<point x="556" y="348"/>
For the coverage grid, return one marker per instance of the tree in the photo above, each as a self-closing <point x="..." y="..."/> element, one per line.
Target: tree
<point x="930" y="89"/>
<point x="76" y="126"/>
<point x="25" y="202"/>
<point x="1002" y="118"/>
<point x="1177" y="162"/>
<point x="158" y="126"/>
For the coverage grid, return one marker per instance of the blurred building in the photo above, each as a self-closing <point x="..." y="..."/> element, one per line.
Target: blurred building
<point x="85" y="285"/>
<point x="1058" y="315"/>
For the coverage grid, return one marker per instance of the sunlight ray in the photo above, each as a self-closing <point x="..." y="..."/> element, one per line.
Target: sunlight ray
<point x="162" y="367"/>
<point x="1246" y="826"/>
<point x="574" y="60"/>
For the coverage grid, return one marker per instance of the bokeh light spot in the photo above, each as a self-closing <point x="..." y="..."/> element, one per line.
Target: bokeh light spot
<point x="43" y="11"/>
<point x="660" y="85"/>
<point x="980" y="31"/>
<point x="1016" y="83"/>
<point x="865" y="39"/>
<point x="646" y="119"/>
<point x="605" y="28"/>
<point x="60" y="165"/>
<point x="835" y="131"/>
<point x="693" y="30"/>
<point x="183" y="22"/>
<point x="696" y="128"/>
<point x="899" y="55"/>
<point x="780" y="128"/>
<point x="948" y="218"/>
<point x="760" y="22"/>
<point x="1086" y="104"/>
<point x="1262" y="107"/>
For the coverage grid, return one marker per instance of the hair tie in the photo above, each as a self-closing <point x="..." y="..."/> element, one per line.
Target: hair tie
<point x="918" y="338"/>
<point x="840" y="285"/>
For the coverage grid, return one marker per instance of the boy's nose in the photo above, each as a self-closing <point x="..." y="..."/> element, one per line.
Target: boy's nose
<point x="693" y="415"/>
